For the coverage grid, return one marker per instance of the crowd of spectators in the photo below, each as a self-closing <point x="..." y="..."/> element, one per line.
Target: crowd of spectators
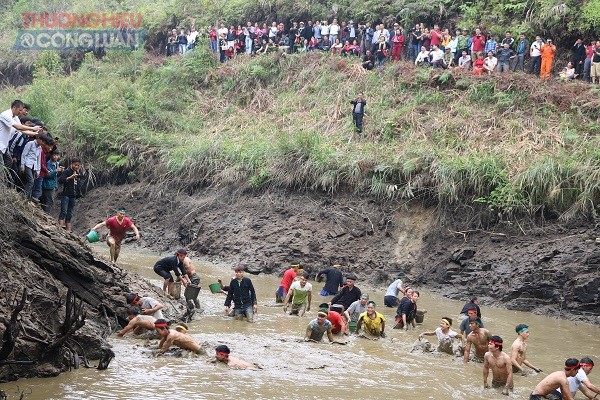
<point x="31" y="161"/>
<point x="477" y="51"/>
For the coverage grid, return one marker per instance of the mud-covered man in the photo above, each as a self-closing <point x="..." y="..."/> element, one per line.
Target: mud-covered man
<point x="222" y="356"/>
<point x="171" y="337"/>
<point x="137" y="323"/>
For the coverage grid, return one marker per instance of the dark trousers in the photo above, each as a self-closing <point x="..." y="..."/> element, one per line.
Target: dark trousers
<point x="519" y="62"/>
<point x="536" y="64"/>
<point x="357" y="118"/>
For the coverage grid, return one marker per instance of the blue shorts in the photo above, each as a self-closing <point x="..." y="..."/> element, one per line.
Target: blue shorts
<point x="326" y="293"/>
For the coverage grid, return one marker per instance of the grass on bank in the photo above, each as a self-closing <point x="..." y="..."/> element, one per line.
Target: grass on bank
<point x="514" y="144"/>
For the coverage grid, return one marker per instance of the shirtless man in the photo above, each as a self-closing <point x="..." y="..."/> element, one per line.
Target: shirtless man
<point x="499" y="362"/>
<point x="232" y="362"/>
<point x="547" y="388"/>
<point x="479" y="337"/>
<point x="518" y="356"/>
<point x="170" y="337"/>
<point x="138" y="323"/>
<point x="581" y="382"/>
<point x="191" y="283"/>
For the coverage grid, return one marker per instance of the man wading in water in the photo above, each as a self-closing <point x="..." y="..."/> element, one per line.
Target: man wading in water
<point x="118" y="226"/>
<point x="479" y="337"/>
<point x="222" y="355"/>
<point x="499" y="362"/>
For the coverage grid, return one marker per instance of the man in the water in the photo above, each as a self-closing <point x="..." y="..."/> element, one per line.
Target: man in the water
<point x="118" y="226"/>
<point x="300" y="294"/>
<point x="318" y="327"/>
<point x="444" y="334"/>
<point x="518" y="356"/>
<point x="171" y="337"/>
<point x="242" y="293"/>
<point x="464" y="325"/>
<point x="335" y="280"/>
<point x="137" y="323"/>
<point x="479" y="338"/>
<point x="499" y="362"/>
<point x="547" y="388"/>
<point x="222" y="355"/>
<point x="581" y="382"/>
<point x="147" y="305"/>
<point x="407" y="311"/>
<point x="390" y="299"/>
<point x="357" y="308"/>
<point x="174" y="263"/>
<point x="349" y="293"/>
<point x="288" y="278"/>
<point x="372" y="321"/>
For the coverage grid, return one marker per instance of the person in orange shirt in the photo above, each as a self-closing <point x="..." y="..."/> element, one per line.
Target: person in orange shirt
<point x="548" y="50"/>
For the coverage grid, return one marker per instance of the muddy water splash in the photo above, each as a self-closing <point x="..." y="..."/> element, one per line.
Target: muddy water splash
<point x="361" y="369"/>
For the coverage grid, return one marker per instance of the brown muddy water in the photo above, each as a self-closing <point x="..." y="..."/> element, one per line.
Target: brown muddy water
<point x="361" y="369"/>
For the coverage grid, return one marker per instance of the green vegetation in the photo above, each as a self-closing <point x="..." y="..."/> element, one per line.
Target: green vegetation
<point x="516" y="145"/>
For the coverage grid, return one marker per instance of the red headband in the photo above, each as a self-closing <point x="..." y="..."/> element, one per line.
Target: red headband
<point x="223" y="353"/>
<point x="585" y="365"/>
<point x="160" y="325"/>
<point x="136" y="298"/>
<point x="496" y="343"/>
<point x="570" y="367"/>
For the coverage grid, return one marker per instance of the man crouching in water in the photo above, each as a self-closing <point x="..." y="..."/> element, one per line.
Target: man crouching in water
<point x="170" y="337"/>
<point x="547" y="388"/>
<point x="499" y="362"/>
<point x="138" y="323"/>
<point x="223" y="356"/>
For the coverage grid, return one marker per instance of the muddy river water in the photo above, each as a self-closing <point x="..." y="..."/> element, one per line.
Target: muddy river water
<point x="361" y="369"/>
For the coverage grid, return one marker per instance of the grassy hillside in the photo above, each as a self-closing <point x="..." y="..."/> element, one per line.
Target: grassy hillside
<point x="513" y="144"/>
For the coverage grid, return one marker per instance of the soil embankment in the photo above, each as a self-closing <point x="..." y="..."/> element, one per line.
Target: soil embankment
<point x="551" y="270"/>
<point x="59" y="301"/>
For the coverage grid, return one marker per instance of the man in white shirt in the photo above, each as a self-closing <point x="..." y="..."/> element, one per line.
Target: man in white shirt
<point x="536" y="56"/>
<point x="489" y="65"/>
<point x="222" y="30"/>
<point x="581" y="381"/>
<point x="324" y="28"/>
<point x="437" y="57"/>
<point x="334" y="30"/>
<point x="9" y="126"/>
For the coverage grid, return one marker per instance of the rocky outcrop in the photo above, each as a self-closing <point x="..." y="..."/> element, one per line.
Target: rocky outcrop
<point x="59" y="301"/>
<point x="545" y="272"/>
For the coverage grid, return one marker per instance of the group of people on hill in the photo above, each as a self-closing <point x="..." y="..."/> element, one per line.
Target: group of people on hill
<point x="481" y="52"/>
<point x="31" y="161"/>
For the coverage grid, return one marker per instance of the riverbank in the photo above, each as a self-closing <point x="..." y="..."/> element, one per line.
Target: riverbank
<point x="550" y="270"/>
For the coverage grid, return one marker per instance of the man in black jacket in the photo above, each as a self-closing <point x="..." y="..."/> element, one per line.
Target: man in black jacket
<point x="69" y="179"/>
<point x="242" y="293"/>
<point x="578" y="56"/>
<point x="335" y="280"/>
<point x="349" y="293"/>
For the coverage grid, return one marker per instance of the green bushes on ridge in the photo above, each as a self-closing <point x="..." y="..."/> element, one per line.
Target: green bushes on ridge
<point x="284" y="121"/>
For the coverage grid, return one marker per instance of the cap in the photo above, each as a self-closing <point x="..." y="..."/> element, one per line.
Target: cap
<point x="181" y="251"/>
<point x="352" y="277"/>
<point x="364" y="296"/>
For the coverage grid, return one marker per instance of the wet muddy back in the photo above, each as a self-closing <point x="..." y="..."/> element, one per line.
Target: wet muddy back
<point x="360" y="369"/>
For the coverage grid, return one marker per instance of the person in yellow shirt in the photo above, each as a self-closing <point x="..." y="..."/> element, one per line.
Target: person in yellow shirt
<point x="372" y="321"/>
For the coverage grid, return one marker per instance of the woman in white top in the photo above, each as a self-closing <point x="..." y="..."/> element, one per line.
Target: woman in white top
<point x="422" y="57"/>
